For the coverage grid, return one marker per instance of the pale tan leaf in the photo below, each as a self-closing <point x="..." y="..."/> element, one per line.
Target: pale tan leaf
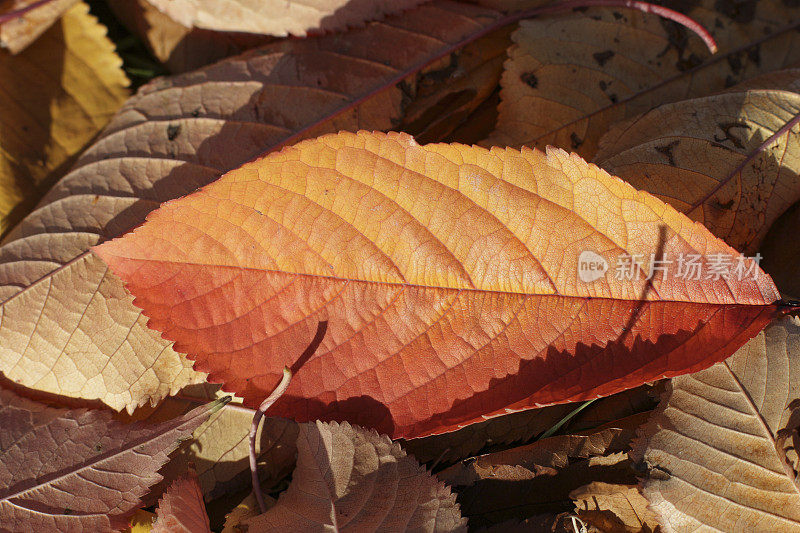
<point x="689" y="154"/>
<point x="19" y="32"/>
<point x="279" y="17"/>
<point x="352" y="479"/>
<point x="711" y="444"/>
<point x="68" y="325"/>
<point x="57" y="95"/>
<point x="570" y="77"/>
<point x="614" y="508"/>
<point x="180" y="48"/>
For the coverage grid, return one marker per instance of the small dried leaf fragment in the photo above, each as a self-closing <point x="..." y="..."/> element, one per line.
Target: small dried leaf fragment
<point x="614" y="508"/>
<point x="454" y="257"/>
<point x="353" y="479"/>
<point x="689" y="154"/>
<point x="726" y="419"/>
<point x="569" y="78"/>
<point x="174" y="136"/>
<point x="58" y="94"/>
<point x="279" y="17"/>
<point x="19" y="32"/>
<point x="72" y="470"/>
<point x="181" y="509"/>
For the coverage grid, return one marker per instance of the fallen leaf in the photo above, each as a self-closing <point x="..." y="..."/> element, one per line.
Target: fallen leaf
<point x="452" y="257"/>
<point x="78" y="470"/>
<point x="247" y="509"/>
<point x="537" y="479"/>
<point x="518" y="428"/>
<point x="446" y="96"/>
<point x="703" y="156"/>
<point x="57" y="95"/>
<point x="279" y="17"/>
<point x="352" y="479"/>
<point x="569" y="78"/>
<point x="181" y="509"/>
<point x="220" y="447"/>
<point x="180" y="48"/>
<point x="68" y="326"/>
<point x="551" y="453"/>
<point x="614" y="508"/>
<point x="33" y="19"/>
<point x="710" y="447"/>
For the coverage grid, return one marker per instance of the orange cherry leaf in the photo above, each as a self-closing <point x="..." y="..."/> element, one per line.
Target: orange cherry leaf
<point x="446" y="278"/>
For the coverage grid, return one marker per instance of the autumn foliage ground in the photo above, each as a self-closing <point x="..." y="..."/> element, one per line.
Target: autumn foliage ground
<point x="495" y="265"/>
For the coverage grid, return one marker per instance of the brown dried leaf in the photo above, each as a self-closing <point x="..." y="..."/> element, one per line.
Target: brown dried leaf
<point x="711" y="445"/>
<point x="689" y="153"/>
<point x="57" y="95"/>
<point x="614" y="508"/>
<point x="352" y="479"/>
<point x="72" y="470"/>
<point x="569" y="78"/>
<point x="502" y="431"/>
<point x="68" y="325"/>
<point x="181" y="509"/>
<point x="19" y="32"/>
<point x="538" y="478"/>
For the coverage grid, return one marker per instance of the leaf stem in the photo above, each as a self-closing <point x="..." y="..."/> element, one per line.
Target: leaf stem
<point x="262" y="409"/>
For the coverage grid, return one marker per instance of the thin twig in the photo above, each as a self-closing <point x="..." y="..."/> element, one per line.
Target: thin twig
<point x="272" y="398"/>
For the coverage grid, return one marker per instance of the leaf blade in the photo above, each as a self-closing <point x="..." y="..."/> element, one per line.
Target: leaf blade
<point x="271" y="249"/>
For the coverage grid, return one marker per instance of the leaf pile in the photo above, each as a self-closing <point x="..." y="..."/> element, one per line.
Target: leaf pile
<point x="396" y="201"/>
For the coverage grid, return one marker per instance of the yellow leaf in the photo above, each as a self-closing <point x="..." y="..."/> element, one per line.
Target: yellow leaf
<point x="57" y="95"/>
